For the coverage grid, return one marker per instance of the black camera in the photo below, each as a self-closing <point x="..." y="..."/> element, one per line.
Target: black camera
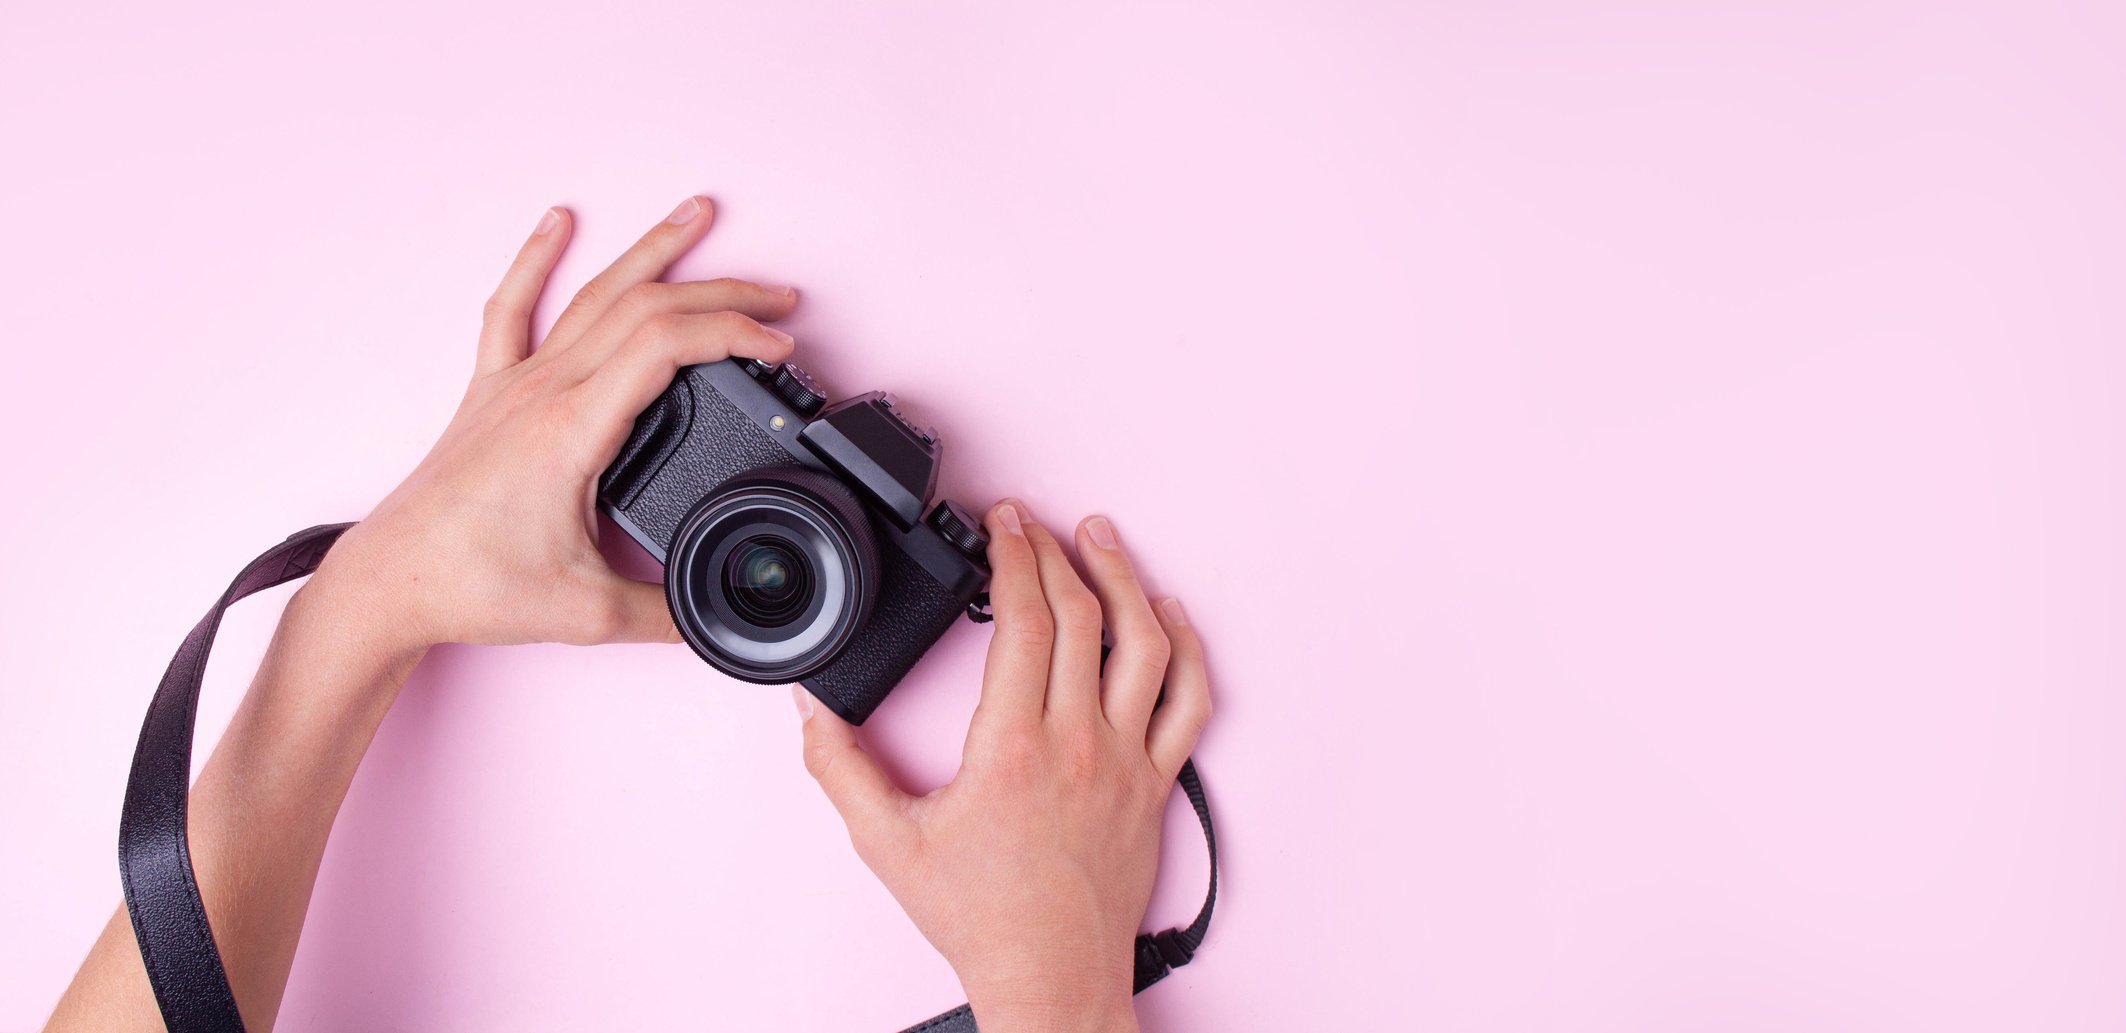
<point x="798" y="538"/>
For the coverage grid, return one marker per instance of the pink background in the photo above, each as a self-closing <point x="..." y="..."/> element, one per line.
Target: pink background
<point x="1649" y="475"/>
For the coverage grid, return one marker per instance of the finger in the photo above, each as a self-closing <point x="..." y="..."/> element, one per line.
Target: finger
<point x="646" y="261"/>
<point x="1180" y="717"/>
<point x="1015" y="678"/>
<point x="1137" y="666"/>
<point x="633" y="378"/>
<point x="869" y="803"/>
<point x="505" y="324"/>
<point x="1074" y="666"/>
<point x="646" y="301"/>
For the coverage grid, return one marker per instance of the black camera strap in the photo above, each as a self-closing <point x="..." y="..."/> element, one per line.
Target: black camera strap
<point x="155" y="856"/>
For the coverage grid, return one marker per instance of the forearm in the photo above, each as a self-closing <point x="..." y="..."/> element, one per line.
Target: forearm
<point x="264" y="806"/>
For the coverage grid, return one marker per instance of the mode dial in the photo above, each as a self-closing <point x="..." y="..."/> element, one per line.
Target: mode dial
<point x="796" y="387"/>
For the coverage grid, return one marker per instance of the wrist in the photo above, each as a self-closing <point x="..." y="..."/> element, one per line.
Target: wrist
<point x="342" y="622"/>
<point x="334" y="669"/>
<point x="1056" y="1017"/>
<point x="1046" y="1005"/>
<point x="364" y="615"/>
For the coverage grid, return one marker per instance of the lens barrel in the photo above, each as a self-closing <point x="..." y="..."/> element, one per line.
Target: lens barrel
<point x="771" y="575"/>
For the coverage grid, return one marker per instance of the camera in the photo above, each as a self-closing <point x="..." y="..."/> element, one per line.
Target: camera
<point x="798" y="537"/>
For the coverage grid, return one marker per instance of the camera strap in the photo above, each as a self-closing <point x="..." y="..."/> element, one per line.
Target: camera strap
<point x="155" y="855"/>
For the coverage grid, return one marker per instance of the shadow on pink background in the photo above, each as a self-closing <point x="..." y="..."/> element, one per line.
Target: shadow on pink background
<point x="1649" y="475"/>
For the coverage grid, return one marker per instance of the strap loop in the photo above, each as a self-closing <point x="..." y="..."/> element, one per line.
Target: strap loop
<point x="1173" y="948"/>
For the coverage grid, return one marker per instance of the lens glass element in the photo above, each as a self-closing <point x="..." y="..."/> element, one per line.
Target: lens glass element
<point x="767" y="580"/>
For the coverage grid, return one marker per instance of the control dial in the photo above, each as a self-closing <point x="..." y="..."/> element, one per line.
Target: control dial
<point x="796" y="387"/>
<point x="960" y="528"/>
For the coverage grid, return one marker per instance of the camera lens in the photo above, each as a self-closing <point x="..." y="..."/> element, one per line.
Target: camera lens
<point x="771" y="575"/>
<point x="767" y="580"/>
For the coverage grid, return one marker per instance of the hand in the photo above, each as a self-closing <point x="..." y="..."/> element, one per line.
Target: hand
<point x="1032" y="870"/>
<point x="493" y="539"/>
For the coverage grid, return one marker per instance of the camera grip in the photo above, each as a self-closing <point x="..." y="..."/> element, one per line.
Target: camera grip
<point x="913" y="611"/>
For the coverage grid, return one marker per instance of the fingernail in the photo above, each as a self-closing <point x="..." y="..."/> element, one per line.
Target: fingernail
<point x="1101" y="532"/>
<point x="1172" y="608"/>
<point x="686" y="212"/>
<point x="1008" y="515"/>
<point x="804" y="702"/>
<point x="547" y="222"/>
<point x="779" y="288"/>
<point x="779" y="335"/>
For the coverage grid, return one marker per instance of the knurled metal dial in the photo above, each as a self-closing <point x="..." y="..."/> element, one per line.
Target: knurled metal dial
<point x="960" y="528"/>
<point x="796" y="387"/>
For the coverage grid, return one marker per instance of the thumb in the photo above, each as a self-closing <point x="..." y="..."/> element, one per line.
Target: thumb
<point x="869" y="802"/>
<point x="638" y="612"/>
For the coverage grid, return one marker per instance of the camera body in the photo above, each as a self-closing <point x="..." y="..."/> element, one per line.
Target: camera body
<point x="799" y="537"/>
